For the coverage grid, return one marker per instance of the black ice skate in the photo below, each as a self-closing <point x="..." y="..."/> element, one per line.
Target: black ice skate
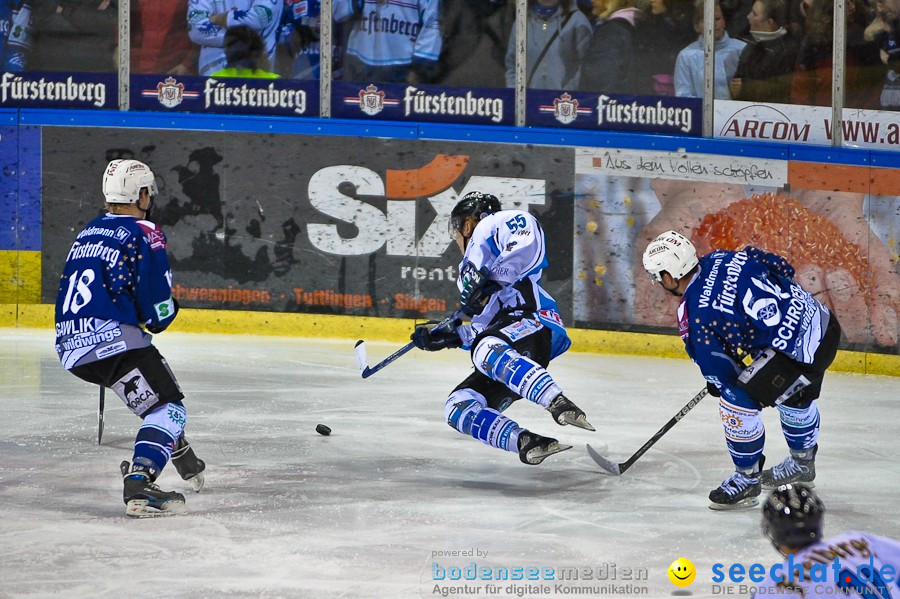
<point x="799" y="467"/>
<point x="740" y="490"/>
<point x="565" y="412"/>
<point x="534" y="448"/>
<point x="143" y="499"/>
<point x="188" y="465"/>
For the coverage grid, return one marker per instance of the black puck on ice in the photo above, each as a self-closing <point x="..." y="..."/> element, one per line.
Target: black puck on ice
<point x="323" y="430"/>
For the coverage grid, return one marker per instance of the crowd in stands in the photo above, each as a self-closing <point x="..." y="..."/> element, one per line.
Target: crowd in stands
<point x="766" y="50"/>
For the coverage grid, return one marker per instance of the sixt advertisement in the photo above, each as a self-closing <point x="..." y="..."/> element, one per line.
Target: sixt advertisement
<point x="308" y="224"/>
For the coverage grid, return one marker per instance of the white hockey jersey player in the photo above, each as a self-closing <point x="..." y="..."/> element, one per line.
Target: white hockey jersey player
<point x="510" y="245"/>
<point x="262" y="15"/>
<point x="515" y="330"/>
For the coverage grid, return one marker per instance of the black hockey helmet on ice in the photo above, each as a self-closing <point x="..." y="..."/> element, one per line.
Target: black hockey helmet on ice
<point x="476" y="204"/>
<point x="792" y="516"/>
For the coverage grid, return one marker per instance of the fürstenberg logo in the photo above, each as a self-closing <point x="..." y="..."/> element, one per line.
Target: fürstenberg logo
<point x="220" y="93"/>
<point x="15" y="87"/>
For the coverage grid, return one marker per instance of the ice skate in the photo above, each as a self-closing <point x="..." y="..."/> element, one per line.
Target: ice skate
<point x="740" y="490"/>
<point x="799" y="467"/>
<point x="143" y="499"/>
<point x="188" y="465"/>
<point x="565" y="412"/>
<point x="534" y="448"/>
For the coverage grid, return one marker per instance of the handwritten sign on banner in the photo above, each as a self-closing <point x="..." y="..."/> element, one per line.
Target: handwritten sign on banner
<point x="681" y="165"/>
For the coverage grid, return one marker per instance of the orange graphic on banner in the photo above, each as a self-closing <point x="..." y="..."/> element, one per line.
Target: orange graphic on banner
<point x="434" y="177"/>
<point x="842" y="177"/>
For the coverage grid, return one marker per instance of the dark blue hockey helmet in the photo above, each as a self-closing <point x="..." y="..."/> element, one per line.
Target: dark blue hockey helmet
<point x="792" y="516"/>
<point x="475" y="204"/>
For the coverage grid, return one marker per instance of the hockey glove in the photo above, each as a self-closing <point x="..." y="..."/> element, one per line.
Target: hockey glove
<point x="426" y="337"/>
<point x="477" y="288"/>
<point x="156" y="329"/>
<point x="713" y="390"/>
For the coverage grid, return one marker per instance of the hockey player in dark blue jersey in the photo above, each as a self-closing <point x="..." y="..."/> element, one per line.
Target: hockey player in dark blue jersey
<point x="514" y="332"/>
<point x="760" y="340"/>
<point x="115" y="287"/>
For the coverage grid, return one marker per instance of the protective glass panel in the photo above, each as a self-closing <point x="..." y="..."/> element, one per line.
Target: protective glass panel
<point x="161" y="42"/>
<point x="71" y="35"/>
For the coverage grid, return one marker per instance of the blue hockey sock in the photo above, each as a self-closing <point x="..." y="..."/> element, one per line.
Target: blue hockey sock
<point x="157" y="436"/>
<point x="467" y="412"/>
<point x="800" y="426"/>
<point x="744" y="434"/>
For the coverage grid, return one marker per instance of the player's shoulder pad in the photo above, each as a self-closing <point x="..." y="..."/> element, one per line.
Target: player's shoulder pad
<point x="153" y="235"/>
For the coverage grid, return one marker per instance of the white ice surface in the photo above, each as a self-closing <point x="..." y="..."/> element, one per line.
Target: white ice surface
<point x="289" y="513"/>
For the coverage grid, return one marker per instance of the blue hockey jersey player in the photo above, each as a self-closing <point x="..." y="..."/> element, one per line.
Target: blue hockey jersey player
<point x="760" y="340"/>
<point x="116" y="282"/>
<point x="514" y="332"/>
<point x="15" y="34"/>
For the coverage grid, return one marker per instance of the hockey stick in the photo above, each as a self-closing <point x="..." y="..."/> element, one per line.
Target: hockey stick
<point x="618" y="469"/>
<point x="100" y="414"/>
<point x="362" y="358"/>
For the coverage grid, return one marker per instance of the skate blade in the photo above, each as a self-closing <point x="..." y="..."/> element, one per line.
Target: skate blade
<point x="579" y="422"/>
<point x="743" y="504"/>
<point x="141" y="508"/>
<point x="538" y="454"/>
<point x="197" y="482"/>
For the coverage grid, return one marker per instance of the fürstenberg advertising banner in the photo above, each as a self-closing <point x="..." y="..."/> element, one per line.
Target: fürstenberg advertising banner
<point x="308" y="224"/>
<point x="285" y="97"/>
<point x="871" y="129"/>
<point x="38" y="89"/>
<point x="844" y="245"/>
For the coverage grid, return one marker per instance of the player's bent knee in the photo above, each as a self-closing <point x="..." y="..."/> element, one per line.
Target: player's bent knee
<point x="461" y="408"/>
<point x="493" y="357"/>
<point x="170" y="417"/>
<point x="741" y="425"/>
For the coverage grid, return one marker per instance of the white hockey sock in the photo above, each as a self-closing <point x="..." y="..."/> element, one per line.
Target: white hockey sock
<point x="497" y="360"/>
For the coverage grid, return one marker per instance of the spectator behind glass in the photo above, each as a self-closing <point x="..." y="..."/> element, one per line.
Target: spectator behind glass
<point x="476" y="33"/>
<point x="811" y="84"/>
<point x="735" y="12"/>
<point x="689" y="64"/>
<point x="159" y="38"/>
<point x="557" y="37"/>
<point x="75" y="35"/>
<point x="208" y="19"/>
<point x="298" y="40"/>
<point x="889" y="52"/>
<point x="245" y="53"/>
<point x="767" y="61"/>
<point x="610" y="62"/>
<point x="666" y="28"/>
<point x="863" y="51"/>
<point x="15" y="29"/>
<point x="392" y="41"/>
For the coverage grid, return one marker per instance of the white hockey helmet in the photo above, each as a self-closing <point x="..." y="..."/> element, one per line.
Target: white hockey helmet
<point x="124" y="179"/>
<point x="670" y="252"/>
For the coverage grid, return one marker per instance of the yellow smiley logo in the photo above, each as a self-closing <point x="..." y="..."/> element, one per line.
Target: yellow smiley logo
<point x="682" y="572"/>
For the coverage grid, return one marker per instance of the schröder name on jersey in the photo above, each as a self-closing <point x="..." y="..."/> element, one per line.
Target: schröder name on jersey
<point x="416" y="101"/>
<point x="610" y="111"/>
<point x="220" y="93"/>
<point x="15" y="87"/>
